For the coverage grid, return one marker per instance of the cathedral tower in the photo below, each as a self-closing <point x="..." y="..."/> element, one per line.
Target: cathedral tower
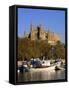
<point x="40" y="30"/>
<point x="32" y="27"/>
<point x="40" y="25"/>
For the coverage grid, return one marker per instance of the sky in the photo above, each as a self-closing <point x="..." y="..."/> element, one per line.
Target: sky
<point x="52" y="20"/>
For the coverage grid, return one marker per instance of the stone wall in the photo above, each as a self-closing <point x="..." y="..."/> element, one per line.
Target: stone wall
<point x="39" y="34"/>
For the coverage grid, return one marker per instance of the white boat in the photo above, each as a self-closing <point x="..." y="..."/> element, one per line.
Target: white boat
<point x="45" y="63"/>
<point x="58" y="64"/>
<point x="51" y="67"/>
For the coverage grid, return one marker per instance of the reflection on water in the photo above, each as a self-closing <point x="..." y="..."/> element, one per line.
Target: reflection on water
<point x="41" y="75"/>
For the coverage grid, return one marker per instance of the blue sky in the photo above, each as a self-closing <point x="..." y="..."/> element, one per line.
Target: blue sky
<point x="54" y="20"/>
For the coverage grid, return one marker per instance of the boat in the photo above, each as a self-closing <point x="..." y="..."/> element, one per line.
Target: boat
<point x="59" y="68"/>
<point x="52" y="67"/>
<point x="45" y="63"/>
<point x="22" y="69"/>
<point x="36" y="63"/>
<point x="58" y="65"/>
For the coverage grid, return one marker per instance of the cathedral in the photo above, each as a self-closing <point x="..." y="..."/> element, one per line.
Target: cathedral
<point x="39" y="33"/>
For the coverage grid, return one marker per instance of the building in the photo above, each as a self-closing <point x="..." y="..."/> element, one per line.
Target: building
<point x="39" y="33"/>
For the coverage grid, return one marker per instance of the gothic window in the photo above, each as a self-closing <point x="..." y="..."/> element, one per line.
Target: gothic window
<point x="46" y="36"/>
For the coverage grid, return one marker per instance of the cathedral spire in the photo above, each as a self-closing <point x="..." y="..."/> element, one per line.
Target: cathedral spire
<point x="32" y="26"/>
<point x="40" y="25"/>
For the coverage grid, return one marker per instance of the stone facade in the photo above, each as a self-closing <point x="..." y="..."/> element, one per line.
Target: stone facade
<point x="39" y="33"/>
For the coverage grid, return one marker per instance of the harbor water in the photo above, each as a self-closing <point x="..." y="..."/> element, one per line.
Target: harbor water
<point x="41" y="75"/>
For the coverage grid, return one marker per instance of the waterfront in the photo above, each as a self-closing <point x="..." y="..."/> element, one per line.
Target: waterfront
<point x="41" y="75"/>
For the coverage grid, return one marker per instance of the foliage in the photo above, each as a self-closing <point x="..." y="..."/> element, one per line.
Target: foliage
<point x="59" y="50"/>
<point x="28" y="49"/>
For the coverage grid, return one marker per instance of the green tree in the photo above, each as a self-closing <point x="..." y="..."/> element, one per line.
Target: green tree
<point x="59" y="50"/>
<point x="39" y="48"/>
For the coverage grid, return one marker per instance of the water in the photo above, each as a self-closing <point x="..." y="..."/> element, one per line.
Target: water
<point x="41" y="75"/>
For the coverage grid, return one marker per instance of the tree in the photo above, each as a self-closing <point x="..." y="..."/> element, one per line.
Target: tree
<point x="59" y="50"/>
<point x="39" y="48"/>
